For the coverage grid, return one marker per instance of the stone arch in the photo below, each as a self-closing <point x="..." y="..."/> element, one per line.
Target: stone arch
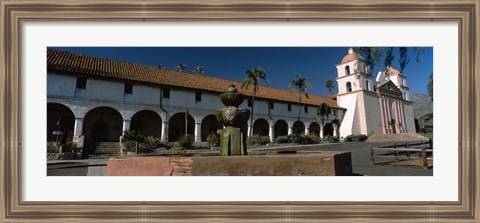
<point x="60" y="118"/>
<point x="147" y="122"/>
<point x="280" y="128"/>
<point x="176" y="126"/>
<point x="102" y="124"/>
<point x="209" y="125"/>
<point x="328" y="130"/>
<point x="314" y="129"/>
<point x="261" y="127"/>
<point x="299" y="128"/>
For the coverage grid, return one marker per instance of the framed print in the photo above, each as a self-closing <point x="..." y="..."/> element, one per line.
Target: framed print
<point x="131" y="55"/>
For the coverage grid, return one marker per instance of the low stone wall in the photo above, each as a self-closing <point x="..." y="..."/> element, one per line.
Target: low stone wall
<point x="149" y="166"/>
<point x="302" y="164"/>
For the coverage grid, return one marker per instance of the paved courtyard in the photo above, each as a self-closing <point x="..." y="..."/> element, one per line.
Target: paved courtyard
<point x="359" y="151"/>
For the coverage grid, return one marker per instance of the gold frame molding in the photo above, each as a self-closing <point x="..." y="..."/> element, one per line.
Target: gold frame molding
<point x="465" y="12"/>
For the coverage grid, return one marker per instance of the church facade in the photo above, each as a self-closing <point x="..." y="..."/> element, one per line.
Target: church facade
<point x="93" y="99"/>
<point x="382" y="109"/>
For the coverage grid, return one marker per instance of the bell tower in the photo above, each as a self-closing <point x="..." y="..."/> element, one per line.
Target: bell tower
<point x="356" y="94"/>
<point x="353" y="74"/>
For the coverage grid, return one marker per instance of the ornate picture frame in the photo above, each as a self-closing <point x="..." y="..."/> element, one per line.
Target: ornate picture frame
<point x="13" y="13"/>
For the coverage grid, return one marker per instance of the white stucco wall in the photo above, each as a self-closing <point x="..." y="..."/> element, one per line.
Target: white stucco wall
<point x="349" y="102"/>
<point x="103" y="93"/>
<point x="373" y="121"/>
<point x="409" y="118"/>
<point x="58" y="84"/>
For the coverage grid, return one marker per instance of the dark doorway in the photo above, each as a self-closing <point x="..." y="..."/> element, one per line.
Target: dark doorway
<point x="328" y="130"/>
<point x="100" y="132"/>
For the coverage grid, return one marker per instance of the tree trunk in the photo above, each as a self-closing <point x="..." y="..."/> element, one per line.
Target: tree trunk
<point x="299" y="103"/>
<point x="251" y="115"/>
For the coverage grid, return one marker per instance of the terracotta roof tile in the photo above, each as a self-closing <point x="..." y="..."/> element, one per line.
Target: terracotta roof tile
<point x="105" y="68"/>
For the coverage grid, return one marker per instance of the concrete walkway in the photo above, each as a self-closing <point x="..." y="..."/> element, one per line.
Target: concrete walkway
<point x="85" y="167"/>
<point x="360" y="160"/>
<point x="359" y="151"/>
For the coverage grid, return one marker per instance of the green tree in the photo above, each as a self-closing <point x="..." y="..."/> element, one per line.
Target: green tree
<point x="301" y="86"/>
<point x="254" y="76"/>
<point x="329" y="85"/>
<point x="430" y="86"/>
<point x="323" y="111"/>
<point x="199" y="70"/>
<point x="374" y="56"/>
<point x="160" y="66"/>
<point x="181" y="67"/>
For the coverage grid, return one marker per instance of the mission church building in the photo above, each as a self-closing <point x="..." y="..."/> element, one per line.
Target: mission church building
<point x="93" y="100"/>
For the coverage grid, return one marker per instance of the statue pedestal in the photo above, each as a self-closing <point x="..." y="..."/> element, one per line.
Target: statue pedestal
<point x="233" y="142"/>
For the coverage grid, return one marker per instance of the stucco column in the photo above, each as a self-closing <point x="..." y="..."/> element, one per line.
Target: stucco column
<point x="78" y="128"/>
<point x="385" y="115"/>
<point x="198" y="132"/>
<point x="164" y="131"/>
<point x="402" y="113"/>
<point x="321" y="130"/>
<point x="397" y="119"/>
<point x="389" y="116"/>
<point x="249" y="130"/>
<point x="290" y="129"/>
<point x="270" y="133"/>
<point x="380" y="103"/>
<point x="126" y="125"/>
<point x="335" y="130"/>
<point x="400" y="121"/>
<point x="307" y="130"/>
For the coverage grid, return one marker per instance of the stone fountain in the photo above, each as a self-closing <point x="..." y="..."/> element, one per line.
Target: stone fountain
<point x="233" y="139"/>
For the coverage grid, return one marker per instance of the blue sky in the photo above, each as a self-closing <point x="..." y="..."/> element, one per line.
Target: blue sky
<point x="281" y="64"/>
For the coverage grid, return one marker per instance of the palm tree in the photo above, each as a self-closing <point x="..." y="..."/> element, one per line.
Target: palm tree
<point x="253" y="78"/>
<point x="181" y="67"/>
<point x="199" y="70"/>
<point x="323" y="110"/>
<point x="301" y="86"/>
<point x="329" y="85"/>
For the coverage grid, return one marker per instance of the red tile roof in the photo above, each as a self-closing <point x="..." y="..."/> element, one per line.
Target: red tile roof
<point x="393" y="71"/>
<point x="351" y="56"/>
<point x="61" y="61"/>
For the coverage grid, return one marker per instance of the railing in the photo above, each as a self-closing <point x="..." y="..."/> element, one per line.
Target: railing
<point x="406" y="149"/>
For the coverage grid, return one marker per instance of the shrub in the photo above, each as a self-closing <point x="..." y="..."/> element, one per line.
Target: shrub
<point x="130" y="146"/>
<point x="150" y="143"/>
<point x="355" y="138"/>
<point x="186" y="141"/>
<point x="330" y="139"/>
<point x="362" y="138"/>
<point x="70" y="147"/>
<point x="312" y="139"/>
<point x="350" y="138"/>
<point x="258" y="140"/>
<point x="282" y="139"/>
<point x="132" y="135"/>
<point x="213" y="139"/>
<point x="294" y="138"/>
<point x="300" y="139"/>
<point x="52" y="148"/>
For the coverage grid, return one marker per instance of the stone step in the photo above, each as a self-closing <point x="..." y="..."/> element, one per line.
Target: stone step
<point x="396" y="137"/>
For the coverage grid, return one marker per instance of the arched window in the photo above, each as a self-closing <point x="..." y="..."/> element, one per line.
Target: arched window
<point x="367" y="84"/>
<point x="349" y="86"/>
<point x="347" y="70"/>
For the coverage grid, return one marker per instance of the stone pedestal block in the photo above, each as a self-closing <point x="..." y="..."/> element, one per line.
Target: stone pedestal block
<point x="233" y="142"/>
